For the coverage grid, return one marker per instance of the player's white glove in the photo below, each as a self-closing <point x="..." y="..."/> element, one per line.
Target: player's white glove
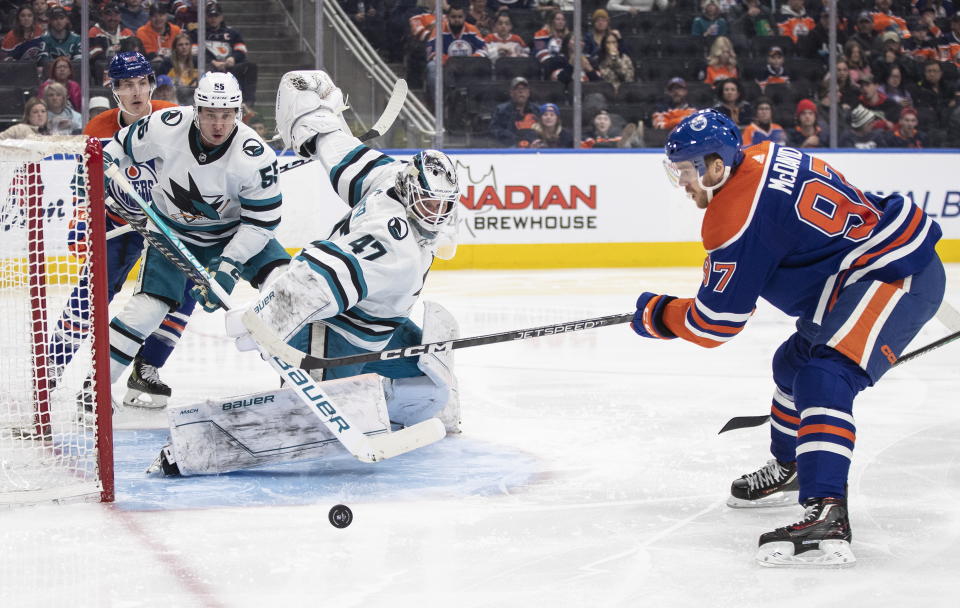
<point x="307" y="103"/>
<point x="238" y="331"/>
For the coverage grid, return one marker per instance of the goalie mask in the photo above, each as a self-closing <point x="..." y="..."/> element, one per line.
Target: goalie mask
<point x="430" y="191"/>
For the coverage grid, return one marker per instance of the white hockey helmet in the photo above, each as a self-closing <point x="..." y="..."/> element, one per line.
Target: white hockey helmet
<point x="219" y="90"/>
<point x="430" y="190"/>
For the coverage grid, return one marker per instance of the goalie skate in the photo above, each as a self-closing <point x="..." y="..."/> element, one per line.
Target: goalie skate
<point x="145" y="388"/>
<point x="820" y="540"/>
<point x="773" y="485"/>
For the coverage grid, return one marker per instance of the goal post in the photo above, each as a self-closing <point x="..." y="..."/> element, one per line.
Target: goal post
<point x="56" y="435"/>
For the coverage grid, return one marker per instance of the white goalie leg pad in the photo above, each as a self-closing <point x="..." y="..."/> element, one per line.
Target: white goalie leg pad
<point x="218" y="436"/>
<point x="411" y="400"/>
<point x="308" y="103"/>
<point x="296" y="297"/>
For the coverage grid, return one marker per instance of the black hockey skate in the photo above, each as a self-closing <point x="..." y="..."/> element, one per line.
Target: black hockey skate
<point x="165" y="464"/>
<point x="773" y="485"/>
<point x="86" y="404"/>
<point x="145" y="388"/>
<point x="821" y="539"/>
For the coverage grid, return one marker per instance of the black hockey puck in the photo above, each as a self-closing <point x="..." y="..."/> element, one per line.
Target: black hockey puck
<point x="340" y="516"/>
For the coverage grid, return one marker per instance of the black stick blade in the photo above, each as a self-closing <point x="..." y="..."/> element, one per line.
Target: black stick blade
<point x="744" y="422"/>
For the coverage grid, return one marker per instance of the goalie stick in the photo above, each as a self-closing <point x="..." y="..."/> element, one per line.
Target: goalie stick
<point x="398" y="96"/>
<point x="947" y="315"/>
<point x="301" y="360"/>
<point x="365" y="448"/>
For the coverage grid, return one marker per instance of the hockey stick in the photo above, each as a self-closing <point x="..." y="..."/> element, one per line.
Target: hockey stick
<point x="301" y="360"/>
<point x="398" y="97"/>
<point x="365" y="448"/>
<point x="946" y="315"/>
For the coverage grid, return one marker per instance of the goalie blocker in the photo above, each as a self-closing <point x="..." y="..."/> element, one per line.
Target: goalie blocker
<point x="219" y="436"/>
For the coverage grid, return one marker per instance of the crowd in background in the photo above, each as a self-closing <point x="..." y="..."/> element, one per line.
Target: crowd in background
<point x="508" y="65"/>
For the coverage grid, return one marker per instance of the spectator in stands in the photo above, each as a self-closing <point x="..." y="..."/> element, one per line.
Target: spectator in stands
<point x="370" y="19"/>
<point x="884" y="20"/>
<point x="61" y="71"/>
<point x="561" y="67"/>
<point x="861" y="133"/>
<point x="34" y="121"/>
<point x="165" y="91"/>
<point x="599" y="28"/>
<point x="794" y="20"/>
<point x="460" y="39"/>
<point x="183" y="68"/>
<point x="550" y="133"/>
<point x="480" y="16"/>
<point x="420" y="29"/>
<point x="807" y="133"/>
<point x="874" y="100"/>
<point x="22" y="42"/>
<point x="98" y="105"/>
<point x="502" y="42"/>
<point x="816" y="45"/>
<point x="612" y="65"/>
<point x="856" y="60"/>
<point x="185" y="14"/>
<point x="752" y="19"/>
<point x="891" y="54"/>
<point x="920" y="46"/>
<point x="933" y="93"/>
<point x="226" y="52"/>
<point x="559" y="5"/>
<point x="674" y="108"/>
<point x="721" y="61"/>
<point x="157" y="37"/>
<point x="60" y="40"/>
<point x="773" y="72"/>
<point x="731" y="101"/>
<point x="105" y="38"/>
<point x="762" y="128"/>
<point x="602" y="133"/>
<point x="949" y="43"/>
<point x="61" y="118"/>
<point x="548" y="42"/>
<point x="863" y="32"/>
<point x="895" y="88"/>
<point x="905" y="134"/>
<point x="848" y="91"/>
<point x="636" y="6"/>
<point x="711" y="22"/>
<point x="515" y="115"/>
<point x="133" y="15"/>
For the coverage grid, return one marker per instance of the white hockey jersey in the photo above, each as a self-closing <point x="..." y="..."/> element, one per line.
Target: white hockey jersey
<point x="375" y="261"/>
<point x="229" y="195"/>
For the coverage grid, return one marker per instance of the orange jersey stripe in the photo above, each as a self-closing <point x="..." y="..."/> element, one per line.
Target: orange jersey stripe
<point x="723" y="329"/>
<point x="810" y="429"/>
<point x="778" y="414"/>
<point x="106" y="124"/>
<point x="853" y="344"/>
<point x="675" y="318"/>
<point x="905" y="236"/>
<point x="171" y="324"/>
<point x="731" y="208"/>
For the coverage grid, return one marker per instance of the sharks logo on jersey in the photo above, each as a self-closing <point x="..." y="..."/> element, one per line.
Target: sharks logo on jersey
<point x="192" y="202"/>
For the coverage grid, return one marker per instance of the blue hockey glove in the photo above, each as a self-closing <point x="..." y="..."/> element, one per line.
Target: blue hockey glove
<point x="225" y="272"/>
<point x="648" y="320"/>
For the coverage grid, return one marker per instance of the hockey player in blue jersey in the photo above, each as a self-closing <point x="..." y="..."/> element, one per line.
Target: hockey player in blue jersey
<point x="860" y="274"/>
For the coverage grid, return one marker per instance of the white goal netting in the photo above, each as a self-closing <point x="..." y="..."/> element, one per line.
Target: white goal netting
<point x="54" y="398"/>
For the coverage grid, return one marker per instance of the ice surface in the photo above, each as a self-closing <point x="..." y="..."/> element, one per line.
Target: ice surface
<point x="589" y="473"/>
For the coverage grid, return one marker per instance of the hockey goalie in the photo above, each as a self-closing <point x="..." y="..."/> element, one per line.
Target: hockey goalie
<point x="349" y="293"/>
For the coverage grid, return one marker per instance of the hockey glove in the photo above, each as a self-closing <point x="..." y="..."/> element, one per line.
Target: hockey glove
<point x="77" y="236"/>
<point x="648" y="320"/>
<point x="225" y="272"/>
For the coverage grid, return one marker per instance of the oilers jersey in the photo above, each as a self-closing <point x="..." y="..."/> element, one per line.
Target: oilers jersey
<point x="375" y="261"/>
<point x="789" y="228"/>
<point x="225" y="196"/>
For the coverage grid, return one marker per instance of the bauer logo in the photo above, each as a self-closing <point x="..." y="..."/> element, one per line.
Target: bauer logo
<point x="398" y="228"/>
<point x="240" y="403"/>
<point x="252" y="147"/>
<point x="171" y="118"/>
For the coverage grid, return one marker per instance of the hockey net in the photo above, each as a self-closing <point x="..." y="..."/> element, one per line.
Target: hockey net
<point x="55" y="414"/>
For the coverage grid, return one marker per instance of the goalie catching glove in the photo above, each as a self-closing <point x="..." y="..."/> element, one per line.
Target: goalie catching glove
<point x="648" y="320"/>
<point x="225" y="272"/>
<point x="308" y="103"/>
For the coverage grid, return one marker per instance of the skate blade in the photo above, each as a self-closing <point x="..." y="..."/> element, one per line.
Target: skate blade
<point x="831" y="554"/>
<point x="148" y="401"/>
<point x="780" y="499"/>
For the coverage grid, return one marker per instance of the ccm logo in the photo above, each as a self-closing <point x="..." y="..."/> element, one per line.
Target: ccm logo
<point x="410" y="351"/>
